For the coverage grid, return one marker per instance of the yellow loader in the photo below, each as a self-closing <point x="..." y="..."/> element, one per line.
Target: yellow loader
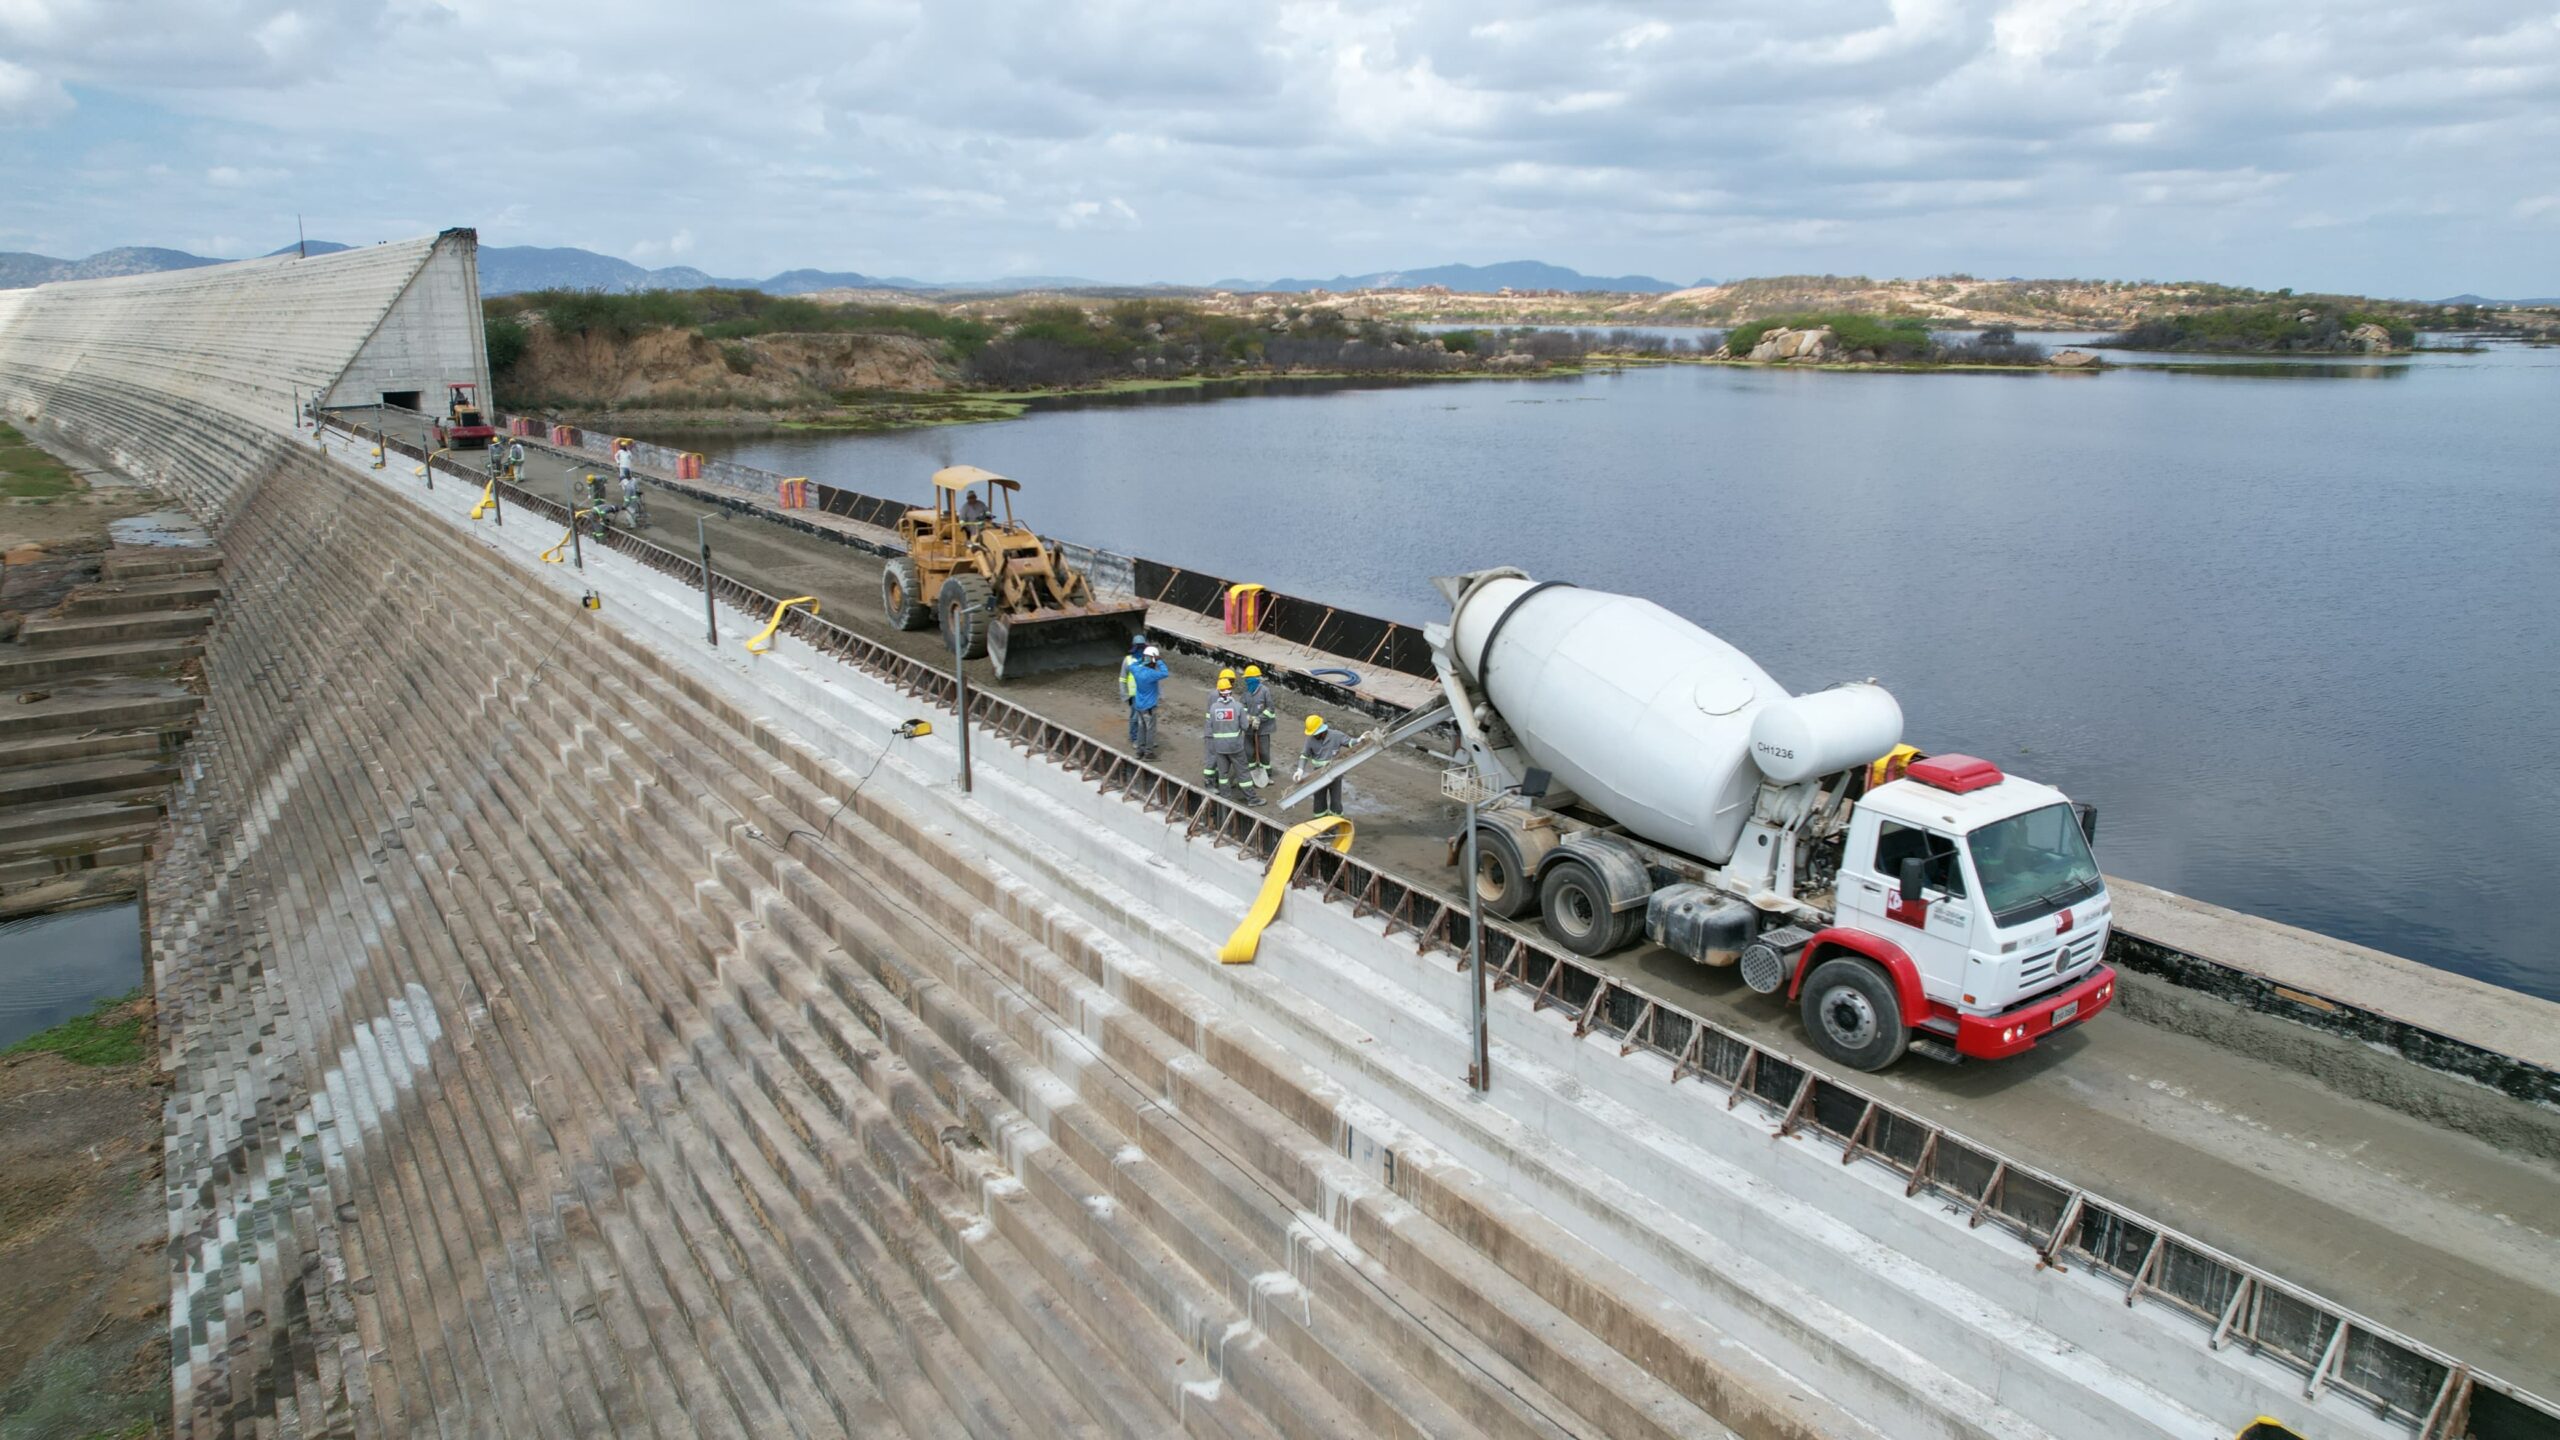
<point x="995" y="588"/>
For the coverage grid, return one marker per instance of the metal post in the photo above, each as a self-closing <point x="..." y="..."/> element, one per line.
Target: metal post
<point x="710" y="612"/>
<point x="577" y="550"/>
<point x="1480" y="1065"/>
<point x="960" y="672"/>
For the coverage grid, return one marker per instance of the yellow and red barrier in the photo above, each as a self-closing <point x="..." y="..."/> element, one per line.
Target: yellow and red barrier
<point x="565" y="436"/>
<point x="1244" y="609"/>
<point x="795" y="493"/>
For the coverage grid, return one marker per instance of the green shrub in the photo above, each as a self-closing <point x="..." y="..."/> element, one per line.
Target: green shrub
<point x="507" y="339"/>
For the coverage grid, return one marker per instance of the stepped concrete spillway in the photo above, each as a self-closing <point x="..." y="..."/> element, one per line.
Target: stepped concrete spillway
<point x="575" y="1028"/>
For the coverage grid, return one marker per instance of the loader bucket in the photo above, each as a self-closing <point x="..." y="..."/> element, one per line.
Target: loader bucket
<point x="1051" y="640"/>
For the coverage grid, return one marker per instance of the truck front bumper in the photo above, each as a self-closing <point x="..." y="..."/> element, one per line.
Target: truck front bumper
<point x="1992" y="1037"/>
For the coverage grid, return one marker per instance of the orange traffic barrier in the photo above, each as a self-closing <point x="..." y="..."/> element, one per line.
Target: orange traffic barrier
<point x="1244" y="609"/>
<point x="688" y="466"/>
<point x="564" y="436"/>
<point x="795" y="493"/>
<point x="523" y="426"/>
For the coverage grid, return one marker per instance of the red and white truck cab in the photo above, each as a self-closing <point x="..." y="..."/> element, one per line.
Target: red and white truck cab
<point x="1968" y="907"/>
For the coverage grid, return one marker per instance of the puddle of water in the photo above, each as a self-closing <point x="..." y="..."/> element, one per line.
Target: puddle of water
<point x="53" y="967"/>
<point x="160" y="527"/>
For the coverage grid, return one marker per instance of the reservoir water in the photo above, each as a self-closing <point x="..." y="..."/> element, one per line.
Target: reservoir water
<point x="53" y="967"/>
<point x="2293" y="626"/>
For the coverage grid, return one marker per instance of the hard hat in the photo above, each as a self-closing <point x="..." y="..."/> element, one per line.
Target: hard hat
<point x="1314" y="723"/>
<point x="1253" y="672"/>
<point x="1226" y="679"/>
<point x="1139" y="642"/>
<point x="1153" y="652"/>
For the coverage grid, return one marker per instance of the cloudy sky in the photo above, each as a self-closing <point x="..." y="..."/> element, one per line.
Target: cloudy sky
<point x="2406" y="149"/>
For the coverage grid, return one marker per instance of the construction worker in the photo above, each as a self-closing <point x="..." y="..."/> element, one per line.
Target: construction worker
<point x="622" y="464"/>
<point x="1223" y="768"/>
<point x="1145" y="679"/>
<point x="1324" y="746"/>
<point x="1261" y="719"/>
<point x="1138" y="648"/>
<point x="515" y="462"/>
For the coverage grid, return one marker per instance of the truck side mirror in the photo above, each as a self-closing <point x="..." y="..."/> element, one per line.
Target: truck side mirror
<point x="1913" y="872"/>
<point x="2088" y="817"/>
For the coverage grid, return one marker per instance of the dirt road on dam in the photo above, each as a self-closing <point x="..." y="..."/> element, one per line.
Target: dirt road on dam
<point x="2448" y="1237"/>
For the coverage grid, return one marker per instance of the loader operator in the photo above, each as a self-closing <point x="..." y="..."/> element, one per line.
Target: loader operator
<point x="1324" y="746"/>
<point x="1145" y="679"/>
<point x="1261" y="719"/>
<point x="974" y="511"/>
<point x="1223" y="769"/>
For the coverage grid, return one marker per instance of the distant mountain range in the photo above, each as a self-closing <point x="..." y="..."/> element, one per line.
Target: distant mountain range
<point x="508" y="269"/>
<point x="1482" y="279"/>
<point x="2466" y="298"/>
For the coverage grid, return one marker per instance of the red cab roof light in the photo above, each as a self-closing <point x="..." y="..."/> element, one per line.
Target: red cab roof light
<point x="1955" y="774"/>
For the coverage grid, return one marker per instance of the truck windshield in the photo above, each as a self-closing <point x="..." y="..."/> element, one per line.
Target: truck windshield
<point x="2033" y="864"/>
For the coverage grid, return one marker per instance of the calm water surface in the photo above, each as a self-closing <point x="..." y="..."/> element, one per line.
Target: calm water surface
<point x="53" y="967"/>
<point x="2292" y="626"/>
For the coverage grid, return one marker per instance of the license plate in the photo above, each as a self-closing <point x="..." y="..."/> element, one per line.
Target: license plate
<point x="2062" y="1013"/>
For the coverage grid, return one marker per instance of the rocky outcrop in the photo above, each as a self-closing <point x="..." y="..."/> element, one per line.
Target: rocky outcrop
<point x="2074" y="360"/>
<point x="1783" y="345"/>
<point x="2371" y="338"/>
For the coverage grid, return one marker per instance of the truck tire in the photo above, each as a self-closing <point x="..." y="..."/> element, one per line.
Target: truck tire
<point x="1573" y="908"/>
<point x="1852" y="1016"/>
<point x="965" y="608"/>
<point x="1503" y="878"/>
<point x="905" y="608"/>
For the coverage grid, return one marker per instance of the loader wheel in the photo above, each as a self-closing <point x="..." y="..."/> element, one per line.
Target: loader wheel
<point x="966" y="606"/>
<point x="1851" y="1015"/>
<point x="1573" y="908"/>
<point x="906" y="609"/>
<point x="1502" y="881"/>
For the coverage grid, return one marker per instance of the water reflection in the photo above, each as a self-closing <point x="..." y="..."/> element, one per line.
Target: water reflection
<point x="53" y="967"/>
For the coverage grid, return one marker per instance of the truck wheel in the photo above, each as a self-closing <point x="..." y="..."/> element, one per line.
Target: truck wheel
<point x="1573" y="908"/>
<point x="965" y="606"/>
<point x="1852" y="1015"/>
<point x="1502" y="879"/>
<point x="906" y="609"/>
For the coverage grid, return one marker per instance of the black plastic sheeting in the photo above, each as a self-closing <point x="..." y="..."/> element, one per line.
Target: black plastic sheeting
<point x="1366" y="641"/>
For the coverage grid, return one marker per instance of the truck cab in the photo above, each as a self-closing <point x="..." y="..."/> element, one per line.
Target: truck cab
<point x="1968" y="909"/>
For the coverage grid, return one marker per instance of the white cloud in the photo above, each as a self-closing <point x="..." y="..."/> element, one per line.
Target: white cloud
<point x="966" y="139"/>
<point x="28" y="98"/>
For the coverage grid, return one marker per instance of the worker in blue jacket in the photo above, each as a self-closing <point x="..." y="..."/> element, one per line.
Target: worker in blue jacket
<point x="1145" y="679"/>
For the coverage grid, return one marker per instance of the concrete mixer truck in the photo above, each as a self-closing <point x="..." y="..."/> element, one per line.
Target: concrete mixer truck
<point x="1650" y="780"/>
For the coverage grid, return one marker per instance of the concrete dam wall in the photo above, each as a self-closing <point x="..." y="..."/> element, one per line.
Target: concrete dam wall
<point x="577" y="1029"/>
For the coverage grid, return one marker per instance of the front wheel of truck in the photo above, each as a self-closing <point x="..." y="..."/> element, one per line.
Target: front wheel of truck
<point x="1852" y="1015"/>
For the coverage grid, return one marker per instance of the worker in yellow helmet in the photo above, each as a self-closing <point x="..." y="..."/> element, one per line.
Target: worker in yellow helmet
<point x="1261" y="719"/>
<point x="1324" y="746"/>
<point x="1222" y="767"/>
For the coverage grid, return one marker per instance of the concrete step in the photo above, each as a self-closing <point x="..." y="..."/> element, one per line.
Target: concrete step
<point x="22" y="667"/>
<point x="19" y="872"/>
<point x="73" y="821"/>
<point x="129" y="597"/>
<point x="158" y="562"/>
<point x="71" y="891"/>
<point x="76" y="779"/>
<point x="88" y="745"/>
<point x="80" y="704"/>
<point x="51" y="632"/>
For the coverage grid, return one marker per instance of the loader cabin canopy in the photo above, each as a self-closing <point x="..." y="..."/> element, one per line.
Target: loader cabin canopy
<point x="953" y="481"/>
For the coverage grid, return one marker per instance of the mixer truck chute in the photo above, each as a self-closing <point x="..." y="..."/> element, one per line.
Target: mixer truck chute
<point x="1689" y="799"/>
